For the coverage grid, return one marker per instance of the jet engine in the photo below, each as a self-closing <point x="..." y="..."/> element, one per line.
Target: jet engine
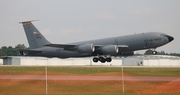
<point x="87" y="48"/>
<point x="110" y="49"/>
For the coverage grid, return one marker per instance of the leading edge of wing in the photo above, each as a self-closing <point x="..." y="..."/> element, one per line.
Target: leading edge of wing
<point x="64" y="46"/>
<point x="67" y="46"/>
<point x="73" y="47"/>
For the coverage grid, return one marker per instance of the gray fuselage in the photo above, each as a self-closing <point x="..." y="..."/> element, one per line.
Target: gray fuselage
<point x="150" y="40"/>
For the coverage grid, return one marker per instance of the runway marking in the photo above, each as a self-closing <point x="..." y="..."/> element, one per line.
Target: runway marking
<point x="56" y="77"/>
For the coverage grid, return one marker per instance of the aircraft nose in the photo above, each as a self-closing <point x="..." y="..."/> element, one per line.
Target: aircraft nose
<point x="170" y="38"/>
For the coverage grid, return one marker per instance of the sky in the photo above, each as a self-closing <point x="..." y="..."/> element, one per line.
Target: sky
<point x="66" y="21"/>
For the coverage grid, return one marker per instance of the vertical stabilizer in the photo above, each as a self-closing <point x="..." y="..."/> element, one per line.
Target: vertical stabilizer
<point x="35" y="38"/>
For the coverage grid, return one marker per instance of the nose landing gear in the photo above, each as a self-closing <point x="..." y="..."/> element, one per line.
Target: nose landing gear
<point x="154" y="52"/>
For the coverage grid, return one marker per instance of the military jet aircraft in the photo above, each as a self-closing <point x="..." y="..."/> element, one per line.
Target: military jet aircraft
<point x="100" y="49"/>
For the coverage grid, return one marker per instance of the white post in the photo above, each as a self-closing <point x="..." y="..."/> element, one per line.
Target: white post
<point x="46" y="81"/>
<point x="122" y="75"/>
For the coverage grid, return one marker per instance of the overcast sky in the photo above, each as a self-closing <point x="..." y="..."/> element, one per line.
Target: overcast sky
<point x="65" y="21"/>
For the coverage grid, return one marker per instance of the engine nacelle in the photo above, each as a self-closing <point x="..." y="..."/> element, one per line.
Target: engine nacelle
<point x="110" y="49"/>
<point x="87" y="48"/>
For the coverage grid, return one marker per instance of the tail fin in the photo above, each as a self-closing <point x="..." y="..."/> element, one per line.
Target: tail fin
<point x="35" y="38"/>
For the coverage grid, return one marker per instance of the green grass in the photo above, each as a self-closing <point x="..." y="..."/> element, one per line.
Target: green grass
<point x="129" y="71"/>
<point x="108" y="94"/>
<point x="57" y="86"/>
<point x="153" y="71"/>
<point x="92" y="70"/>
<point x="117" y="94"/>
<point x="83" y="70"/>
<point x="15" y="70"/>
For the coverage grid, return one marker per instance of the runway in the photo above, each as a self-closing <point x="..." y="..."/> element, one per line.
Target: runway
<point x="58" y="77"/>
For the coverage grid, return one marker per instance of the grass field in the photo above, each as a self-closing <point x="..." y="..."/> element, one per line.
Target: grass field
<point x="85" y="87"/>
<point x="157" y="71"/>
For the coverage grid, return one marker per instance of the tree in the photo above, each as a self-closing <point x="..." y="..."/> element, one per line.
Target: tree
<point x="10" y="51"/>
<point x="3" y="51"/>
<point x="174" y="54"/>
<point x="20" y="46"/>
<point x="148" y="52"/>
<point x="162" y="53"/>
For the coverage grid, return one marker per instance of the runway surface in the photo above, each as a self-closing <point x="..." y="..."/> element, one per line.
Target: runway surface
<point x="56" y="77"/>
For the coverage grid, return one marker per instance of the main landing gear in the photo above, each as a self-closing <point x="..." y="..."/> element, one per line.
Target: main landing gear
<point x="102" y="59"/>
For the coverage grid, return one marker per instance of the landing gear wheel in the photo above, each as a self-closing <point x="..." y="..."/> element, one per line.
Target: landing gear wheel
<point x="108" y="59"/>
<point x="95" y="59"/>
<point x="102" y="59"/>
<point x="154" y="52"/>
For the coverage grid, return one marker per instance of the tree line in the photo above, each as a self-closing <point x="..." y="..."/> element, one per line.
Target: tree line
<point x="149" y="52"/>
<point x="11" y="51"/>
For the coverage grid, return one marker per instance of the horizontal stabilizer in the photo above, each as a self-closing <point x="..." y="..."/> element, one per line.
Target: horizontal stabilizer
<point x="30" y="50"/>
<point x="26" y="52"/>
<point x="24" y="22"/>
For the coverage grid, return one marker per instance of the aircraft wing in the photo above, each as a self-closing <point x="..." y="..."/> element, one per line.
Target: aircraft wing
<point x="74" y="47"/>
<point x="65" y="46"/>
<point x="97" y="47"/>
<point x="69" y="47"/>
<point x="29" y="51"/>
